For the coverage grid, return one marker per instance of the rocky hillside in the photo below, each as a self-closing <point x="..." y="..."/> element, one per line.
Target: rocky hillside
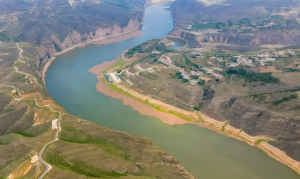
<point x="53" y="26"/>
<point x="243" y="22"/>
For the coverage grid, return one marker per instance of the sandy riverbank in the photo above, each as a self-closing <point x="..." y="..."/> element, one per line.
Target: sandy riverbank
<point x="196" y="118"/>
<point x="107" y="40"/>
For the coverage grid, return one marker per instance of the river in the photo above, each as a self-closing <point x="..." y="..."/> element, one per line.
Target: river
<point x="205" y="153"/>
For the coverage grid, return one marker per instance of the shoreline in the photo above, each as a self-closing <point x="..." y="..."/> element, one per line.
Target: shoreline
<point x="176" y="37"/>
<point x="172" y="115"/>
<point x="107" y="40"/>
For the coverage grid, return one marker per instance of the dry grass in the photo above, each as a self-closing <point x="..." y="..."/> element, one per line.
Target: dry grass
<point x="268" y="69"/>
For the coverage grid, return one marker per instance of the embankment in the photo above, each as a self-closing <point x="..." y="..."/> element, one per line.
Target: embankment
<point x="169" y="114"/>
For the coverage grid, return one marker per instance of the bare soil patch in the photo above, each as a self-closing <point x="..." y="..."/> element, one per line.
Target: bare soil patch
<point x="268" y="69"/>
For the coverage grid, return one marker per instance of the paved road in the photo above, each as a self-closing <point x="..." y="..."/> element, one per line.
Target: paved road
<point x="20" y="57"/>
<point x="18" y="98"/>
<point x="48" y="166"/>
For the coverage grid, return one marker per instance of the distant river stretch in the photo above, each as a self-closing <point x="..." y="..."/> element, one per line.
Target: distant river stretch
<point x="206" y="154"/>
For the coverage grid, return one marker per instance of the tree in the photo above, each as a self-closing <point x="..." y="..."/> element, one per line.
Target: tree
<point x="119" y="71"/>
<point x="201" y="82"/>
<point x="198" y="107"/>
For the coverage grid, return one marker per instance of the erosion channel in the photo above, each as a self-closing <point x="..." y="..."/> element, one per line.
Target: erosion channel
<point x="205" y="153"/>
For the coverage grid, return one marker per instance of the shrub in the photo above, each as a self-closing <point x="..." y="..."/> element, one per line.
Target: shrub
<point x="198" y="107"/>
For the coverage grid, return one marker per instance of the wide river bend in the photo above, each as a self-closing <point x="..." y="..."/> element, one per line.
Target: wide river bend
<point x="206" y="154"/>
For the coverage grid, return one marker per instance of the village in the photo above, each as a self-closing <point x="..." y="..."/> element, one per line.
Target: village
<point x="165" y="61"/>
<point x="239" y="25"/>
<point x="212" y="69"/>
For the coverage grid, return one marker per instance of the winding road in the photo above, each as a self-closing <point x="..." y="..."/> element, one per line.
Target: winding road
<point x="18" y="98"/>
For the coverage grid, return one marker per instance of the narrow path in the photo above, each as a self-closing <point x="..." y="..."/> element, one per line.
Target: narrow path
<point x="5" y="27"/>
<point x="17" y="70"/>
<point x="18" y="98"/>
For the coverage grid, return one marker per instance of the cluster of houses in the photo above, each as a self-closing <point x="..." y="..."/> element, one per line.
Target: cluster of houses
<point x="212" y="71"/>
<point x="262" y="58"/>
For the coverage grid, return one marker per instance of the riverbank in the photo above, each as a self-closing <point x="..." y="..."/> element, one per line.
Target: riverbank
<point x="107" y="40"/>
<point x="135" y="32"/>
<point x="169" y="114"/>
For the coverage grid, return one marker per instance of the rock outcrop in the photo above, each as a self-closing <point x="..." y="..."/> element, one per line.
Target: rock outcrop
<point x="74" y="38"/>
<point x="188" y="37"/>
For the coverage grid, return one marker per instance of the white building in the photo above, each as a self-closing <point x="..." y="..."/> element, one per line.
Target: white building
<point x="115" y="78"/>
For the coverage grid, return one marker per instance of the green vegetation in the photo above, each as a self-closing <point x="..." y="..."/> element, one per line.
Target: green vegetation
<point x="119" y="71"/>
<point x="183" y="60"/>
<point x="198" y="107"/>
<point x="120" y="62"/>
<point x="157" y="108"/>
<point x="195" y="77"/>
<point x="4" y="38"/>
<point x="251" y="77"/>
<point x="295" y="108"/>
<point x="261" y="77"/>
<point x="294" y="96"/>
<point x="148" y="75"/>
<point x="259" y="141"/>
<point x="204" y="26"/>
<point x="145" y="47"/>
<point x="59" y="161"/>
<point x="70" y="134"/>
<point x="57" y="49"/>
<point x="258" y="95"/>
<point x="148" y="47"/>
<point x="201" y="82"/>
<point x="23" y="134"/>
<point x="205" y="90"/>
<point x="223" y="127"/>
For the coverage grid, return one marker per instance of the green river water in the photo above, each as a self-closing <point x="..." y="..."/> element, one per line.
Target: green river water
<point x="206" y="154"/>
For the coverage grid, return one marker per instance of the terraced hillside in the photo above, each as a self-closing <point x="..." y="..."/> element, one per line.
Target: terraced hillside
<point x="254" y="93"/>
<point x="245" y="22"/>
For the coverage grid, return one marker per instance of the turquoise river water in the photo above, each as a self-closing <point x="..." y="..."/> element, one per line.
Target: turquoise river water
<point x="206" y="154"/>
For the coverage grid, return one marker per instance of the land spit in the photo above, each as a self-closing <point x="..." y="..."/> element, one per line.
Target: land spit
<point x="172" y="115"/>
